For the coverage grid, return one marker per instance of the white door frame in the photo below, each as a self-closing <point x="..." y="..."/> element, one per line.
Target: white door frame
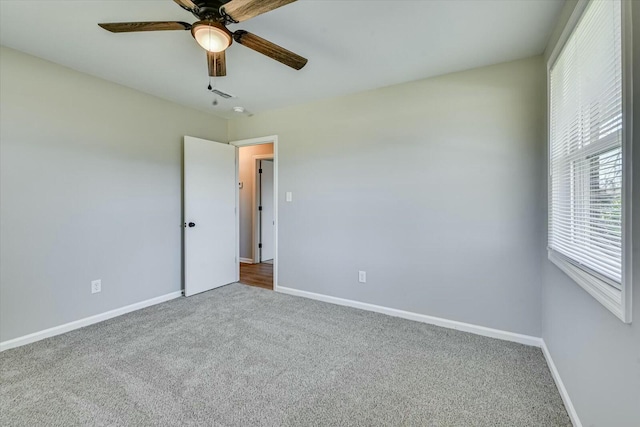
<point x="255" y="219"/>
<point x="258" y="141"/>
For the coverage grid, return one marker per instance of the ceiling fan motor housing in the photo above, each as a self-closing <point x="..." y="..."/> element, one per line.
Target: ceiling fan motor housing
<point x="209" y="9"/>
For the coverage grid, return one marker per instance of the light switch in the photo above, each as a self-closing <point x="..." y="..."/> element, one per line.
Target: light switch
<point x="289" y="196"/>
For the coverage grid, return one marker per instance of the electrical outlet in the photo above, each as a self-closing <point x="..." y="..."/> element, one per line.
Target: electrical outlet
<point x="96" y="286"/>
<point x="362" y="276"/>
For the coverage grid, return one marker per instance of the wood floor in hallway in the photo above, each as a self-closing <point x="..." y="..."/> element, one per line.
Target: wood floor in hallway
<point x="260" y="275"/>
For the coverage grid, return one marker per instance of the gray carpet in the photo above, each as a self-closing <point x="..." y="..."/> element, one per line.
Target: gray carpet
<point x="241" y="356"/>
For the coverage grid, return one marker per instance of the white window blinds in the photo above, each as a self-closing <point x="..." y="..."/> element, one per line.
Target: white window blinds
<point x="585" y="154"/>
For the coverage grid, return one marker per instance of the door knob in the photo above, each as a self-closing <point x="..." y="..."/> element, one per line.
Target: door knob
<point x="192" y="224"/>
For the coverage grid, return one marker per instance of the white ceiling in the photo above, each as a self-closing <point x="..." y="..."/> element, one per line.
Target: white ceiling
<point x="351" y="45"/>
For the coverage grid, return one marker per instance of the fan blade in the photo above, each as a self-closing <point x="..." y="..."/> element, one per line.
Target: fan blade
<point x="269" y="49"/>
<point x="241" y="10"/>
<point x="187" y="5"/>
<point x="129" y="27"/>
<point x="217" y="64"/>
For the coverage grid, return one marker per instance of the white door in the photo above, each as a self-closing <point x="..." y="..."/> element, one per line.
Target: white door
<point x="267" y="222"/>
<point x="209" y="214"/>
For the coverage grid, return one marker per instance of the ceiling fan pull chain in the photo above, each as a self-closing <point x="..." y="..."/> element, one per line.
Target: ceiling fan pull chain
<point x="215" y="96"/>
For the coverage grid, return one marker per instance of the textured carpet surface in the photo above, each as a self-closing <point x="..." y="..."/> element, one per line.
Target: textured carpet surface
<point x="241" y="356"/>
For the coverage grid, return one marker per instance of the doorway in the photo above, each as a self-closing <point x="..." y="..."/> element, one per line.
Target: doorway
<point x="257" y="174"/>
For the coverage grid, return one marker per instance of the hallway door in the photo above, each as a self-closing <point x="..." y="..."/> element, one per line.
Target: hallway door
<point x="267" y="221"/>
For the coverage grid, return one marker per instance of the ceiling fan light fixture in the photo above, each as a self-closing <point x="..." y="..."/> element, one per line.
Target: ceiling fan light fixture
<point x="211" y="35"/>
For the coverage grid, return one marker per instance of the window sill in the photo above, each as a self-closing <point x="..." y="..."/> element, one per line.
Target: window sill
<point x="603" y="292"/>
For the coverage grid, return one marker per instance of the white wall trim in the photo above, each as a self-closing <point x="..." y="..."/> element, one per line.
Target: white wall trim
<point x="246" y="260"/>
<point x="77" y="324"/>
<point x="573" y="415"/>
<point x="601" y="290"/>
<point x="255" y="141"/>
<point x="452" y="324"/>
<point x="570" y="25"/>
<point x="445" y="323"/>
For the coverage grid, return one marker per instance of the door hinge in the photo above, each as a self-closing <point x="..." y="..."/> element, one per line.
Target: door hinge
<point x="259" y="170"/>
<point x="259" y="208"/>
<point x="259" y="245"/>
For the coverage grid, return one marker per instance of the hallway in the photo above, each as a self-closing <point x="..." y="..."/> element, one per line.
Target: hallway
<point x="259" y="275"/>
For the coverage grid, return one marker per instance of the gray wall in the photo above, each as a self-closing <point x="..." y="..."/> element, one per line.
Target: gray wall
<point x="90" y="188"/>
<point x="432" y="187"/>
<point x="597" y="356"/>
<point x="247" y="171"/>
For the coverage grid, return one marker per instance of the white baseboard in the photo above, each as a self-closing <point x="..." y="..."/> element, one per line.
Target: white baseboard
<point x="573" y="415"/>
<point x="246" y="260"/>
<point x="445" y="323"/>
<point x="452" y="324"/>
<point x="77" y="324"/>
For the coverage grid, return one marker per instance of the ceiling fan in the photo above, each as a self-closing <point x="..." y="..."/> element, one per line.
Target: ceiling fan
<point x="212" y="34"/>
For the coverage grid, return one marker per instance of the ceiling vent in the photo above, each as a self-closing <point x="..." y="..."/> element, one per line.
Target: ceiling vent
<point x="222" y="94"/>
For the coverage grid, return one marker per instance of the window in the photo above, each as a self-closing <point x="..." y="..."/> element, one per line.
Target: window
<point x="588" y="168"/>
